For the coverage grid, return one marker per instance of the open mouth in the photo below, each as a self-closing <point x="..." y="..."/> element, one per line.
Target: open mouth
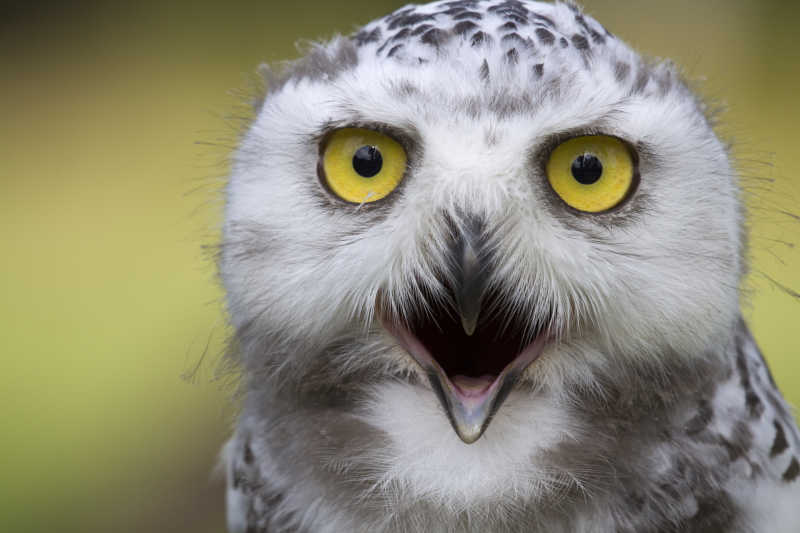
<point x="478" y="359"/>
<point x="471" y="347"/>
<point x="473" y="372"/>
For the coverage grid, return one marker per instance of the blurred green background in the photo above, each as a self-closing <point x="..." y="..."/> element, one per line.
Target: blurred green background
<point x="115" y="127"/>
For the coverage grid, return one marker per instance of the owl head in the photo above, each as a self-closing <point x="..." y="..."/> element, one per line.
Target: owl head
<point x="471" y="201"/>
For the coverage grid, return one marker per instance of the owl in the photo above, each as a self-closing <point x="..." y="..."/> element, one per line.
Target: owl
<point x="482" y="264"/>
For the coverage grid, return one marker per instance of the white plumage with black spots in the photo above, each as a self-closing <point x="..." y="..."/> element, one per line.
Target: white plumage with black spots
<point x="483" y="262"/>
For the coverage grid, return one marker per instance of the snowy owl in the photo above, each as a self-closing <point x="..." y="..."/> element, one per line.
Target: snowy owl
<point x="482" y="262"/>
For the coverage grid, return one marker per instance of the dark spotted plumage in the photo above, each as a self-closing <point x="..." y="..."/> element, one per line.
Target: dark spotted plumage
<point x="792" y="471"/>
<point x="523" y="35"/>
<point x="779" y="443"/>
<point x="469" y="21"/>
<point x="545" y="36"/>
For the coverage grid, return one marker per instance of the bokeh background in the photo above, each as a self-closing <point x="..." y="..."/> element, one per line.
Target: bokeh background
<point x="115" y="123"/>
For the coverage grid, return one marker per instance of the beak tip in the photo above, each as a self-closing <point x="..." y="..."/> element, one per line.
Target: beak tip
<point x="469" y="435"/>
<point x="471" y="423"/>
<point x="469" y="325"/>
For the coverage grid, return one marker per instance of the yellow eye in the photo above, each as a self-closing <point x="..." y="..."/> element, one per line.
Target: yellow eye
<point x="592" y="173"/>
<point x="362" y="165"/>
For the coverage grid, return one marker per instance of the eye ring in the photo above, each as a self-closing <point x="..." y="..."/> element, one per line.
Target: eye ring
<point x="360" y="165"/>
<point x="593" y="173"/>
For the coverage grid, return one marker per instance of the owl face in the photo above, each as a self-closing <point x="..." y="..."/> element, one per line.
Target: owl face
<point x="469" y="200"/>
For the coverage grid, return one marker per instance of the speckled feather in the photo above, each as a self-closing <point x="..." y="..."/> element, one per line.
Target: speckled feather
<point x="653" y="412"/>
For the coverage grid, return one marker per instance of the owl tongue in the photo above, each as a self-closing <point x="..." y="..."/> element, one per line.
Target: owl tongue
<point x="470" y="386"/>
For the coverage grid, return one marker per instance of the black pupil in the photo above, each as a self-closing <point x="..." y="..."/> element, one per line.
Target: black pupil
<point x="367" y="161"/>
<point x="587" y="169"/>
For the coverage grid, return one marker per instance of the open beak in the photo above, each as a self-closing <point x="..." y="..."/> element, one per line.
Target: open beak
<point x="469" y="402"/>
<point x="472" y="362"/>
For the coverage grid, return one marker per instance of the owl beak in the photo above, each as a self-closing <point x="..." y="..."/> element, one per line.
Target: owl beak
<point x="469" y="265"/>
<point x="472" y="365"/>
<point x="470" y="403"/>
